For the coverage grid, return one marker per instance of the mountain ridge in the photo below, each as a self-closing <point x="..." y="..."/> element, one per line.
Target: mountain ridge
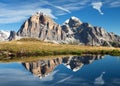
<point x="72" y="31"/>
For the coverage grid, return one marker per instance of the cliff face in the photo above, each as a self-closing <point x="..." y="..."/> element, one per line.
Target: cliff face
<point x="88" y="34"/>
<point x="42" y="27"/>
<point x="91" y="35"/>
<point x="73" y="30"/>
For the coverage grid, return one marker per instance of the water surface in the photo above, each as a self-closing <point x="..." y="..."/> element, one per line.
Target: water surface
<point x="66" y="71"/>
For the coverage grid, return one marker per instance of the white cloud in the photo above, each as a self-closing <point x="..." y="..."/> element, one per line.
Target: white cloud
<point x="58" y="7"/>
<point x="11" y="19"/>
<point x="115" y="4"/>
<point x="61" y="8"/>
<point x="12" y="15"/>
<point x="97" y="6"/>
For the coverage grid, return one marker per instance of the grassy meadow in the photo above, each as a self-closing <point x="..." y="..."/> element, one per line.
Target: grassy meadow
<point x="29" y="48"/>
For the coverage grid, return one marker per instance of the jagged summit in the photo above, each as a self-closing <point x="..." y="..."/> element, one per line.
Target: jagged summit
<point x="42" y="27"/>
<point x="73" y="31"/>
<point x="75" y="18"/>
<point x="73" y="21"/>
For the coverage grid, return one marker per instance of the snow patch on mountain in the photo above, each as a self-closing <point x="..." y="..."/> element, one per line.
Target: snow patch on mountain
<point x="4" y="35"/>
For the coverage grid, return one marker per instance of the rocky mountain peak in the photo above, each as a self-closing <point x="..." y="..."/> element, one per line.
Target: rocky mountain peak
<point x="73" y="30"/>
<point x="75" y="18"/>
<point x="43" y="27"/>
<point x="73" y="22"/>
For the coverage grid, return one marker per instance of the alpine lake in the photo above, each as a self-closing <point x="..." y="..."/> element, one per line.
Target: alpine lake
<point x="86" y="70"/>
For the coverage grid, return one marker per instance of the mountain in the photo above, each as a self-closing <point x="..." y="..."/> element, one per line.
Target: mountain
<point x="42" y="27"/>
<point x="4" y="35"/>
<point x="73" y="31"/>
<point x="88" y="34"/>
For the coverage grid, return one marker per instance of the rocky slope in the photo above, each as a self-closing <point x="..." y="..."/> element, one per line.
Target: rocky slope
<point x="73" y="31"/>
<point x="88" y="34"/>
<point x="4" y="35"/>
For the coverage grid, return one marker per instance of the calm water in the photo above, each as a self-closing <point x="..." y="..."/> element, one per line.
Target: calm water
<point x="66" y="71"/>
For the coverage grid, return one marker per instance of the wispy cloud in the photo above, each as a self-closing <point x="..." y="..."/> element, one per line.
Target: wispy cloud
<point x="61" y="8"/>
<point x="12" y="12"/>
<point x="115" y="4"/>
<point x="58" y="7"/>
<point x="97" y="6"/>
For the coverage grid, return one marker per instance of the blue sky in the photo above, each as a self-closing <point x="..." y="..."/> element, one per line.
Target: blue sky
<point x="103" y="13"/>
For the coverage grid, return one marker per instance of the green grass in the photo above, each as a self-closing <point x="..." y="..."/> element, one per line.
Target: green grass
<point x="28" y="48"/>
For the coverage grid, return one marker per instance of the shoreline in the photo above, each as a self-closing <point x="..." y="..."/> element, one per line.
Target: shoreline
<point x="17" y="49"/>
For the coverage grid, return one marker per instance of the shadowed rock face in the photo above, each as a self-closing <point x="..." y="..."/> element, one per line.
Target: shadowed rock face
<point x="12" y="35"/>
<point x="73" y="30"/>
<point x="88" y="34"/>
<point x="43" y="68"/>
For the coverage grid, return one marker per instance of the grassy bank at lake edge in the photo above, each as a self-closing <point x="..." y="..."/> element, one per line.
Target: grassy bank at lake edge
<point x="38" y="48"/>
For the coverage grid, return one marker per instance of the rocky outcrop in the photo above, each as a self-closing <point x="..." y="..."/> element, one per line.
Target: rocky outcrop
<point x="12" y="35"/>
<point x="73" y="31"/>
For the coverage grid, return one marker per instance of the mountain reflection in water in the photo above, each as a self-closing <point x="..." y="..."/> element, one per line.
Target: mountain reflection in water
<point x="43" y="68"/>
<point x="67" y="71"/>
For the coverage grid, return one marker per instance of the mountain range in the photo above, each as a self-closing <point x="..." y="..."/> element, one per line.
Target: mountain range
<point x="73" y="31"/>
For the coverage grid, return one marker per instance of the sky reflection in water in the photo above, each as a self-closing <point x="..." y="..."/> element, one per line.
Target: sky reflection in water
<point x="67" y="71"/>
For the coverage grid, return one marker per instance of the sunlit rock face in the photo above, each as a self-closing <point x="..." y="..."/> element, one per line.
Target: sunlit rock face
<point x="43" y="27"/>
<point x="42" y="68"/>
<point x="72" y="31"/>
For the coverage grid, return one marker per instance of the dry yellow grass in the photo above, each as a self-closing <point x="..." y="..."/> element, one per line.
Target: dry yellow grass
<point x="36" y="48"/>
